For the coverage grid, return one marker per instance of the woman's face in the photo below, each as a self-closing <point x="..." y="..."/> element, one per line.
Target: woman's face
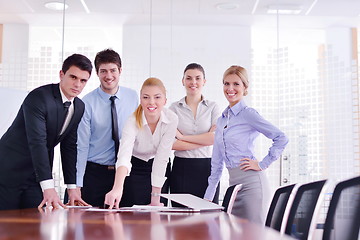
<point x="152" y="100"/>
<point x="234" y="89"/>
<point x="193" y="81"/>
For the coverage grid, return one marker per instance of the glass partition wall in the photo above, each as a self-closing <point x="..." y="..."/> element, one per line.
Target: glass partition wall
<point x="303" y="68"/>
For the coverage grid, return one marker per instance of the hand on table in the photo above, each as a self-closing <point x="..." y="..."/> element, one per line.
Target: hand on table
<point x="112" y="198"/>
<point x="75" y="198"/>
<point x="51" y="199"/>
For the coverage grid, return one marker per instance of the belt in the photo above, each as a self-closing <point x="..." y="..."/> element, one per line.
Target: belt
<point x="96" y="165"/>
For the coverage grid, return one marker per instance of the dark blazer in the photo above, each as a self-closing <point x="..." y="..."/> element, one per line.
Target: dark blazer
<point x="27" y="148"/>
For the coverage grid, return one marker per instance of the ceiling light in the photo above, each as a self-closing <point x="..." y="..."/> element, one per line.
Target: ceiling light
<point x="85" y="6"/>
<point x="57" y="6"/>
<point x="284" y="9"/>
<point x="227" y="6"/>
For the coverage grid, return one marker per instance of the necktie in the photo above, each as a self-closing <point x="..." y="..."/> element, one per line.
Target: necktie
<point x="114" y="125"/>
<point x="66" y="113"/>
<point x="66" y="108"/>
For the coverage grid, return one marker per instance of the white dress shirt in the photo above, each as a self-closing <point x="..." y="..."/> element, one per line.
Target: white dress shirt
<point x="141" y="143"/>
<point x="46" y="184"/>
<point x="206" y="116"/>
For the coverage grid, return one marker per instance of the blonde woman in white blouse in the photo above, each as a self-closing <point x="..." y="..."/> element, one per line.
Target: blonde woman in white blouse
<point x="144" y="151"/>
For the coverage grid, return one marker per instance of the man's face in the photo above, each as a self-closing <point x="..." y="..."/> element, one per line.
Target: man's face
<point x="109" y="75"/>
<point x="73" y="81"/>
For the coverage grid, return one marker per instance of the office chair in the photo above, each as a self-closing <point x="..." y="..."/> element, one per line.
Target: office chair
<point x="300" y="222"/>
<point x="230" y="197"/>
<point x="278" y="204"/>
<point x="343" y="217"/>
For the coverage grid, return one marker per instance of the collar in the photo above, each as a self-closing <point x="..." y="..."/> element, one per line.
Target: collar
<point x="163" y="118"/>
<point x="236" y="109"/>
<point x="182" y="101"/>
<point x="63" y="97"/>
<point x="105" y="96"/>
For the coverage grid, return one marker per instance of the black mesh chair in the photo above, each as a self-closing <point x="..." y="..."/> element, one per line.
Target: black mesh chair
<point x="230" y="196"/>
<point x="301" y="220"/>
<point x="277" y="207"/>
<point x="343" y="217"/>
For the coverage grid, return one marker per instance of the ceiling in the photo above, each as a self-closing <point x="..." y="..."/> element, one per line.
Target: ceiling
<point x="314" y="13"/>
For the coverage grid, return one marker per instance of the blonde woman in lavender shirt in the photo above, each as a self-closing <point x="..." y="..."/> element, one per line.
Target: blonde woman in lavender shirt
<point x="237" y="129"/>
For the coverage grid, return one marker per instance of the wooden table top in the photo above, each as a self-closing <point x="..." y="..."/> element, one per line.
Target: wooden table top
<point x="80" y="224"/>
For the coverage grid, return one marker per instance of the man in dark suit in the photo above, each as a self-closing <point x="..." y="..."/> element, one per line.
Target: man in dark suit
<point x="27" y="148"/>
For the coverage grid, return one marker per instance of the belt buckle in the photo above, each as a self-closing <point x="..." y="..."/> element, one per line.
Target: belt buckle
<point x="111" y="167"/>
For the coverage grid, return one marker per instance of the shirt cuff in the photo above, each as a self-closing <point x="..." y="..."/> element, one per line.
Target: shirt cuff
<point x="47" y="184"/>
<point x="261" y="168"/>
<point x="79" y="184"/>
<point x="71" y="186"/>
<point x="157" y="181"/>
<point x="209" y="193"/>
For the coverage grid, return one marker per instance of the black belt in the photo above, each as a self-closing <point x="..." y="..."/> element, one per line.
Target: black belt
<point x="96" y="165"/>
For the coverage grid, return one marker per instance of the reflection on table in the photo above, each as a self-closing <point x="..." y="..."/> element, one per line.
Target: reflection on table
<point x="81" y="224"/>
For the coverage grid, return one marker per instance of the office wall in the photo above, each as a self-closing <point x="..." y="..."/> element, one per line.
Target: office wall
<point x="10" y="101"/>
<point x="13" y="67"/>
<point x="170" y="50"/>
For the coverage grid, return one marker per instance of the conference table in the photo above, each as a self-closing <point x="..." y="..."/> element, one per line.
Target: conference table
<point x="81" y="224"/>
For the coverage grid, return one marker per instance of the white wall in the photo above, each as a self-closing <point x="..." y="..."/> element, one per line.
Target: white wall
<point x="14" y="56"/>
<point x="10" y="101"/>
<point x="214" y="47"/>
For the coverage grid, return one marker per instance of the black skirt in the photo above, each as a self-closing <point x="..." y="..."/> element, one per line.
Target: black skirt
<point x="190" y="175"/>
<point x="137" y="186"/>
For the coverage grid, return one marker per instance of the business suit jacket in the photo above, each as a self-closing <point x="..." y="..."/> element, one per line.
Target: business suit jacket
<point x="27" y="148"/>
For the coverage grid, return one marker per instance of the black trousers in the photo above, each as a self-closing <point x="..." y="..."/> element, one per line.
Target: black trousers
<point x="190" y="175"/>
<point x="27" y="195"/>
<point x="98" y="181"/>
<point x="137" y="186"/>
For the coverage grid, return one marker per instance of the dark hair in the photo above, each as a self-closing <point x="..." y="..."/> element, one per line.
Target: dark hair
<point x="195" y="66"/>
<point x="79" y="61"/>
<point x="107" y="56"/>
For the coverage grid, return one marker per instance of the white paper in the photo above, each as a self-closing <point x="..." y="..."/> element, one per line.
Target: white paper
<point x="142" y="208"/>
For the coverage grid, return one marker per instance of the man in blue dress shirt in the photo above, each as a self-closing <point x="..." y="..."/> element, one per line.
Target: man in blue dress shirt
<point x="96" y="147"/>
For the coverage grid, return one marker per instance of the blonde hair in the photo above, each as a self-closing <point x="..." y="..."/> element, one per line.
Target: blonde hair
<point x="241" y="73"/>
<point x="150" y="82"/>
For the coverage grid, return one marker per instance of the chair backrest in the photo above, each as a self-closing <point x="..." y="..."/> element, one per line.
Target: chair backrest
<point x="230" y="197"/>
<point x="343" y="217"/>
<point x="277" y="207"/>
<point x="300" y="222"/>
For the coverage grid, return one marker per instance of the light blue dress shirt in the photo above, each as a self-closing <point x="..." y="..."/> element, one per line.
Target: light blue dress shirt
<point x="95" y="143"/>
<point x="236" y="131"/>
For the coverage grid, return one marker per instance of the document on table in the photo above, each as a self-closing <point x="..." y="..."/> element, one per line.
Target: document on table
<point x="69" y="207"/>
<point x="143" y="208"/>
<point x="79" y="207"/>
